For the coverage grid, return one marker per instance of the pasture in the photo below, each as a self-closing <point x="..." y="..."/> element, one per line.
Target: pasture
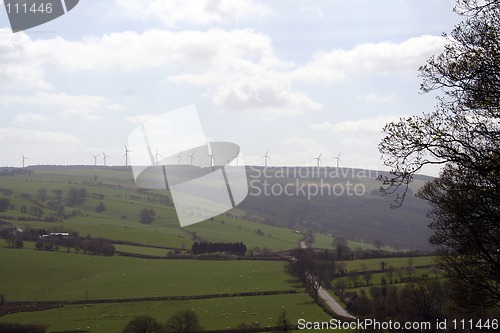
<point x="220" y="313"/>
<point x="29" y="274"/>
<point x="374" y="264"/>
<point x="124" y="201"/>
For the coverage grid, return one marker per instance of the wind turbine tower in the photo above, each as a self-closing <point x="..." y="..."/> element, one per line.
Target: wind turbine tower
<point x="95" y="158"/>
<point x="211" y="155"/>
<point x="126" y="154"/>
<point x="338" y="159"/>
<point x="156" y="157"/>
<point x="318" y="159"/>
<point x="104" y="157"/>
<point x="266" y="157"/>
<point x="24" y="158"/>
<point x="192" y="157"/>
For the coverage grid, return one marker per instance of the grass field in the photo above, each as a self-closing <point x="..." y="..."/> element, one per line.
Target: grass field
<point x="322" y="241"/>
<point x="29" y="275"/>
<point x="214" y="314"/>
<point x="124" y="201"/>
<point x="68" y="276"/>
<point x="374" y="264"/>
<point x="41" y="275"/>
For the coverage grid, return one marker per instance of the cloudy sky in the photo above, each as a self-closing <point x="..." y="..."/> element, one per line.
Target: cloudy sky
<point x="297" y="78"/>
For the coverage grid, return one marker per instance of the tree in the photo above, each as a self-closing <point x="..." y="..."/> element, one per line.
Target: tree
<point x="282" y="323"/>
<point x="58" y="193"/>
<point x="98" y="246"/>
<point x="340" y="287"/>
<point x="301" y="264"/>
<point x="76" y="196"/>
<point x="378" y="244"/>
<point x="463" y="133"/>
<point x="426" y="298"/>
<point x="184" y="321"/>
<point x="18" y="243"/>
<point x="340" y="244"/>
<point x="4" y="204"/>
<point x="312" y="284"/>
<point x="14" y="239"/>
<point x="143" y="324"/>
<point x="42" y="194"/>
<point x="367" y="276"/>
<point x="100" y="208"/>
<point x="390" y="274"/>
<point x="147" y="216"/>
<point x="22" y="328"/>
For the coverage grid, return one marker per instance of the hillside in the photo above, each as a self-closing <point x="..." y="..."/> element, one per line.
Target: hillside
<point x="344" y="202"/>
<point x="281" y="200"/>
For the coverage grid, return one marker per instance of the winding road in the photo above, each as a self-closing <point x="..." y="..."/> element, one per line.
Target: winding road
<point x="329" y="300"/>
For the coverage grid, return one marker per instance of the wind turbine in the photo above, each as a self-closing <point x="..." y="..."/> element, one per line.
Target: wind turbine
<point x="179" y="159"/>
<point x="192" y="157"/>
<point x="156" y="157"/>
<point x="237" y="157"/>
<point x="104" y="157"/>
<point x="338" y="159"/>
<point x="24" y="158"/>
<point x="318" y="159"/>
<point x="211" y="155"/>
<point x="266" y="157"/>
<point x="95" y="158"/>
<point x="126" y="154"/>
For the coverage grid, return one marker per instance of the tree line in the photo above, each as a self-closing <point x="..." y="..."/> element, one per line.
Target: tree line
<point x="182" y="321"/>
<point x="46" y="242"/>
<point x="209" y="247"/>
<point x="463" y="135"/>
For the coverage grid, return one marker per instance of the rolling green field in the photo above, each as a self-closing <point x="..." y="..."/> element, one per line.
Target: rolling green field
<point x="41" y="275"/>
<point x="220" y="313"/>
<point x="322" y="241"/>
<point x="374" y="264"/>
<point x="31" y="275"/>
<point x="124" y="201"/>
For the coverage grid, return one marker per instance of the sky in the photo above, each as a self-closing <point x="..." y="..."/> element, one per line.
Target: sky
<point x="294" y="78"/>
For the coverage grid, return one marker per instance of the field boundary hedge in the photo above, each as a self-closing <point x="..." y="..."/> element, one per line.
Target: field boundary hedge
<point x="158" y="298"/>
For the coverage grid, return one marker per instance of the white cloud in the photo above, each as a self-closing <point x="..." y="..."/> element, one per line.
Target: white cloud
<point x="370" y="125"/>
<point x="315" y="9"/>
<point x="373" y="97"/>
<point x="140" y="118"/>
<point x="300" y="142"/>
<point x="12" y="135"/>
<point x="29" y="117"/>
<point x="370" y="58"/>
<point x="271" y="97"/>
<point x="131" y="51"/>
<point x="238" y="68"/>
<point x="79" y="106"/>
<point x="203" y="12"/>
<point x="18" y="69"/>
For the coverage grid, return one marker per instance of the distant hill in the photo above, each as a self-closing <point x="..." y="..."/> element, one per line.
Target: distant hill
<point x="339" y="202"/>
<point x="344" y="202"/>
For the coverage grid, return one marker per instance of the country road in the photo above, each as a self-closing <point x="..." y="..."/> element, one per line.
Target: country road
<point x="329" y="300"/>
<point x="333" y="304"/>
